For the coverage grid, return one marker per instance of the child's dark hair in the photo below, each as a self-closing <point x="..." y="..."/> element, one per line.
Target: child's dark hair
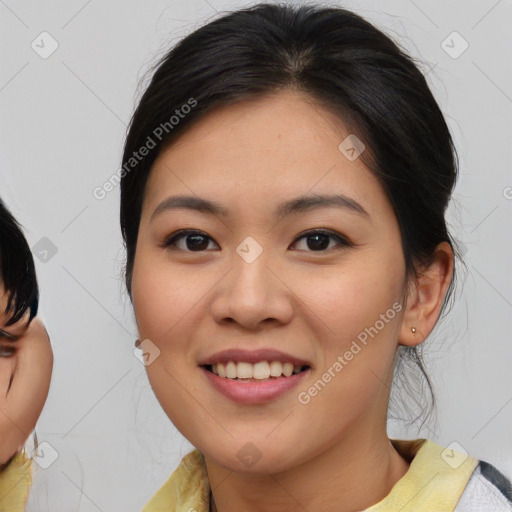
<point x="17" y="270"/>
<point x="345" y="64"/>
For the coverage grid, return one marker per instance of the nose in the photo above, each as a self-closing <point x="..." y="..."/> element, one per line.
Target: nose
<point x="252" y="295"/>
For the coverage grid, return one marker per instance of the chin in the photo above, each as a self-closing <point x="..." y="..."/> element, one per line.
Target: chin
<point x="251" y="457"/>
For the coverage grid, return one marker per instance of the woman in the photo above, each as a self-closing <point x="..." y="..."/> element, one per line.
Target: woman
<point x="285" y="179"/>
<point x="25" y="364"/>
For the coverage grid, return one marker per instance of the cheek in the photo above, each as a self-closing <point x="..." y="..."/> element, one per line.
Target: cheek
<point x="167" y="301"/>
<point x="160" y="305"/>
<point x="159" y="295"/>
<point x="7" y="366"/>
<point x="352" y="297"/>
<point x="356" y="313"/>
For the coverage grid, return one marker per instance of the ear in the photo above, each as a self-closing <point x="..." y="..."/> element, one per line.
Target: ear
<point x="425" y="297"/>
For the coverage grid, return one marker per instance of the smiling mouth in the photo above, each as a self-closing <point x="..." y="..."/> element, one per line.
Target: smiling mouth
<point x="249" y="372"/>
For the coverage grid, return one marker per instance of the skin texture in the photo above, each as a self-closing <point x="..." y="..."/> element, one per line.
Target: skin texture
<point x="334" y="452"/>
<point x="25" y="373"/>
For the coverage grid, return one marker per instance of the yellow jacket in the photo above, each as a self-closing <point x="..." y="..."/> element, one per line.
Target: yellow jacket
<point x="15" y="481"/>
<point x="435" y="481"/>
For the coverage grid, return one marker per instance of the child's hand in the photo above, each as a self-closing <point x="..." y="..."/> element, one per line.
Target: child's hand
<point x="26" y="361"/>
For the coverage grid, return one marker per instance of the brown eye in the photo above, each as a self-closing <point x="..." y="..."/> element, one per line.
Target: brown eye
<point x="319" y="240"/>
<point x="7" y="350"/>
<point x="195" y="241"/>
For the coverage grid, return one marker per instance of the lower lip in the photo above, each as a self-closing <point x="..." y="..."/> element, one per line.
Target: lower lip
<point x="255" y="392"/>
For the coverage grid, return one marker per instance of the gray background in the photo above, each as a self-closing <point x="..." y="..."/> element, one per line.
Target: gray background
<point x="62" y="122"/>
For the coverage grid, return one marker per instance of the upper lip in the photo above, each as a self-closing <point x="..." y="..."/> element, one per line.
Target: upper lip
<point x="252" y="356"/>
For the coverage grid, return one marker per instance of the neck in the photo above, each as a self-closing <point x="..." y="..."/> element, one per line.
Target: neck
<point x="356" y="473"/>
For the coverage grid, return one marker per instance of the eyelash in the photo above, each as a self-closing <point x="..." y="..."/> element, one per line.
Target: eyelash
<point x="170" y="241"/>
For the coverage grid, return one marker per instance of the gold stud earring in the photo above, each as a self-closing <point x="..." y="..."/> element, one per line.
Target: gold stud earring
<point x="413" y="329"/>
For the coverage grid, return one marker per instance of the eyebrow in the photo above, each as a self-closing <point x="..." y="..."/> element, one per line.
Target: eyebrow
<point x="293" y="206"/>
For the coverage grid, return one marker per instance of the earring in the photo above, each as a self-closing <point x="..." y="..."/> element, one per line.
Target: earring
<point x="137" y="342"/>
<point x="413" y="329"/>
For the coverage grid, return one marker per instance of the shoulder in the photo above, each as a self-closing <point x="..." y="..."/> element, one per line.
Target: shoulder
<point x="488" y="490"/>
<point x="447" y="479"/>
<point x="186" y="489"/>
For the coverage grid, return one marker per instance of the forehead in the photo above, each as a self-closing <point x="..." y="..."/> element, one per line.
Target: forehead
<point x="266" y="149"/>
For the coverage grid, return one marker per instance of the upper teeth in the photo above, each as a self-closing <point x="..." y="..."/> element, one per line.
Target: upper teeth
<point x="261" y="370"/>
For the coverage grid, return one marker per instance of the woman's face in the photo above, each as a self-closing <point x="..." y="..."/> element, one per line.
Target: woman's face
<point x="26" y="361"/>
<point x="254" y="282"/>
